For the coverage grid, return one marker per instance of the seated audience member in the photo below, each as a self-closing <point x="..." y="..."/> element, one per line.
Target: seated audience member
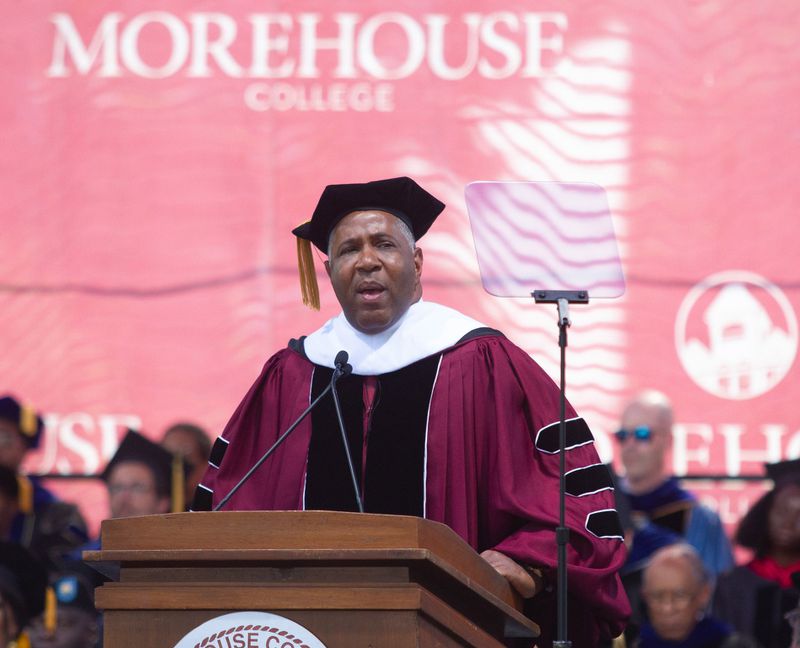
<point x="74" y="623"/>
<point x="48" y="527"/>
<point x="661" y="512"/>
<point x="192" y="444"/>
<point x="138" y="478"/>
<point x="754" y="598"/>
<point x="676" y="590"/>
<point x="23" y="581"/>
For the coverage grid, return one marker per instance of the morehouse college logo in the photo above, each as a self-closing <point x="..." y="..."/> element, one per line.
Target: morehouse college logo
<point x="311" y="61"/>
<point x="250" y="630"/>
<point x="736" y="335"/>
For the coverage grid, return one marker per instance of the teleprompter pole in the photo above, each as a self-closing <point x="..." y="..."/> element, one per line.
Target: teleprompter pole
<point x="562" y="298"/>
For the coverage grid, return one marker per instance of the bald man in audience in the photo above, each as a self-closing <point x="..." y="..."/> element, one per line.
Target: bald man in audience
<point x="661" y="511"/>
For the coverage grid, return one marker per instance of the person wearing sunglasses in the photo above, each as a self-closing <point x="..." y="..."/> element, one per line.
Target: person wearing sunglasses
<point x="662" y="512"/>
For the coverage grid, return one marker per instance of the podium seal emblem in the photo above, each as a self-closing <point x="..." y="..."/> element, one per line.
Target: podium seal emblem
<point x="249" y="630"/>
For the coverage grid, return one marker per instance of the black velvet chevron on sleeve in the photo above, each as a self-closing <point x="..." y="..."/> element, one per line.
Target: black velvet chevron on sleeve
<point x="578" y="434"/>
<point x="588" y="480"/>
<point x="604" y="524"/>
<point x="218" y="451"/>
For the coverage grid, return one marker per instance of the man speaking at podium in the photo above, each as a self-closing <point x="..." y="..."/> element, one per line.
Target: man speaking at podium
<point x="446" y="419"/>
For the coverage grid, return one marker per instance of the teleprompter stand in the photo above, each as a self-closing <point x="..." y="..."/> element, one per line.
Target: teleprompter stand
<point x="562" y="298"/>
<point x="558" y="239"/>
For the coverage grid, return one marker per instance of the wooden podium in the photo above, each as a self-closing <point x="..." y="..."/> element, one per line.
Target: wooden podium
<point x="353" y="580"/>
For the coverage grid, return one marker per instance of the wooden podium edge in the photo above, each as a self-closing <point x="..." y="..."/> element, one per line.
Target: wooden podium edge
<point x="196" y="538"/>
<point x="206" y="597"/>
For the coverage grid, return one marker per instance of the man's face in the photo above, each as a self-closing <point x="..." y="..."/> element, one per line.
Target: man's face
<point x="675" y="598"/>
<point x="132" y="491"/>
<point x="12" y="445"/>
<point x="643" y="458"/>
<point x="784" y="519"/>
<point x="374" y="272"/>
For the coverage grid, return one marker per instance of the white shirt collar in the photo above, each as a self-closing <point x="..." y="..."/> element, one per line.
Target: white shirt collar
<point x="425" y="328"/>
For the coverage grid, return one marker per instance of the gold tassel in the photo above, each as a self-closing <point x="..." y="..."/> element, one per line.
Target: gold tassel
<point x="21" y="642"/>
<point x="50" y="611"/>
<point x="27" y="421"/>
<point x="309" y="287"/>
<point x="178" y="489"/>
<point x="25" y="498"/>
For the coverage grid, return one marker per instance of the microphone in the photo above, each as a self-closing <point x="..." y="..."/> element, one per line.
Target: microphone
<point x="341" y="369"/>
<point x="341" y="365"/>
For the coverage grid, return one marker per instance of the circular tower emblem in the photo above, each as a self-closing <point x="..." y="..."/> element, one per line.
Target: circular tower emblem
<point x="736" y="335"/>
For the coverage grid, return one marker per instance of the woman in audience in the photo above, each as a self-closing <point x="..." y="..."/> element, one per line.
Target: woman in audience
<point x="755" y="598"/>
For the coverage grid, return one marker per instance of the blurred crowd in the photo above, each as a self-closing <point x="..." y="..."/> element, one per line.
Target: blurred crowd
<point x="46" y="589"/>
<point x="684" y="586"/>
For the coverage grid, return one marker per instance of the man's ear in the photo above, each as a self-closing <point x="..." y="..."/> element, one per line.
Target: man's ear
<point x="327" y="265"/>
<point x="418" y="261"/>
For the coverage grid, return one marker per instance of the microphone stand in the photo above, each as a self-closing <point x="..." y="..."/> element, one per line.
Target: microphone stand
<point x="342" y="369"/>
<point x="338" y="373"/>
<point x="562" y="298"/>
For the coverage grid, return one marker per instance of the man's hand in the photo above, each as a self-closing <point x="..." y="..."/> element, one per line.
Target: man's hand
<point x="518" y="577"/>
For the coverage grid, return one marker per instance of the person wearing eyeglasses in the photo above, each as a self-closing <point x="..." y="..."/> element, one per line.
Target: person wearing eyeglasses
<point x="677" y="589"/>
<point x="138" y="478"/>
<point x="660" y="511"/>
<point x="139" y="482"/>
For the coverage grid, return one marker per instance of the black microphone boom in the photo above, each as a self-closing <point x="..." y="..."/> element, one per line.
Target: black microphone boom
<point x="342" y="369"/>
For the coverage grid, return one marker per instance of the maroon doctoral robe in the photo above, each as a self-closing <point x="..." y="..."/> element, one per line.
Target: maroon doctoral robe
<point x="467" y="437"/>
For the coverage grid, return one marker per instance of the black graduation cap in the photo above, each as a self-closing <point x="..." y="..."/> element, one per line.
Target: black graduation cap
<point x="783" y="470"/>
<point x="28" y="422"/>
<point x="137" y="448"/>
<point x="401" y="197"/>
<point x="23" y="581"/>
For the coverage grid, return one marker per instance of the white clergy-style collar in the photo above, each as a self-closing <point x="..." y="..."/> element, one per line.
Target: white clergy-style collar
<point x="426" y="328"/>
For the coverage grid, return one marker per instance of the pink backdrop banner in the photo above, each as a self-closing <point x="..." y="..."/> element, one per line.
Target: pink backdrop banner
<point x="155" y="158"/>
